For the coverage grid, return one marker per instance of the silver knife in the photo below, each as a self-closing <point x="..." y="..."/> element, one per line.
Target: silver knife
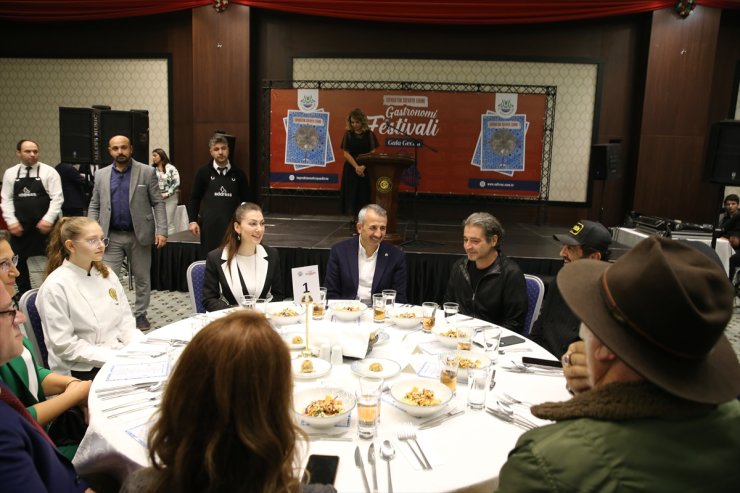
<point x="358" y="463"/>
<point x="440" y="419"/>
<point x="371" y="460"/>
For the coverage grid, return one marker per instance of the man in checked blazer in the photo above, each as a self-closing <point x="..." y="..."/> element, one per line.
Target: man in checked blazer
<point x="122" y="202"/>
<point x="361" y="267"/>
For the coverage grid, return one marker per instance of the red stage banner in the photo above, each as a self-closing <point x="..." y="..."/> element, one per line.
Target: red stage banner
<point x="487" y="143"/>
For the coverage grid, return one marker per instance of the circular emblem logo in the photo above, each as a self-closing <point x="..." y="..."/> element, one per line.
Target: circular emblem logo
<point x="384" y="184"/>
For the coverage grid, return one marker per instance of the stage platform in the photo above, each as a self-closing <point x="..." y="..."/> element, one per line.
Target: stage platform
<point x="306" y="240"/>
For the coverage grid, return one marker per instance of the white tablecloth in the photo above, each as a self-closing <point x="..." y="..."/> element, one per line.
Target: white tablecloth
<point x="467" y="451"/>
<point x="631" y="237"/>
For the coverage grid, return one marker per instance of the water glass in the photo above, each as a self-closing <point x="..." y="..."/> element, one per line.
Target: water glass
<point x="492" y="339"/>
<point x="428" y="313"/>
<point x="390" y="302"/>
<point x="260" y="305"/>
<point x="197" y="322"/>
<point x="368" y="407"/>
<point x="378" y="308"/>
<point x="464" y="338"/>
<point x="319" y="308"/>
<point x="248" y="301"/>
<point x="448" y="365"/>
<point x="451" y="310"/>
<point x="477" y="387"/>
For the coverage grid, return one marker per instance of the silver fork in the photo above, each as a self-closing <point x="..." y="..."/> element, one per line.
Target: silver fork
<point x="411" y="432"/>
<point x="513" y="400"/>
<point x="404" y="437"/>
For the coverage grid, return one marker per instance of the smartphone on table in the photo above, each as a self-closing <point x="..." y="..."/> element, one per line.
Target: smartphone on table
<point x="321" y="469"/>
<point x="510" y="341"/>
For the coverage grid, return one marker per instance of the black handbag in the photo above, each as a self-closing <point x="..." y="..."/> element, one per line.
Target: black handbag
<point x="68" y="428"/>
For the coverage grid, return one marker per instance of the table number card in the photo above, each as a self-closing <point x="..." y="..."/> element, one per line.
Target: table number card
<point x="306" y="279"/>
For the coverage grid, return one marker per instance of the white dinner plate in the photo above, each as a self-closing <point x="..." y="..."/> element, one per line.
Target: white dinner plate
<point x="362" y="368"/>
<point x="320" y="368"/>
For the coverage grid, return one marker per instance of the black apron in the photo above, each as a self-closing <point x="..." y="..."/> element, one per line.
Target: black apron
<point x="31" y="203"/>
<point x="220" y="200"/>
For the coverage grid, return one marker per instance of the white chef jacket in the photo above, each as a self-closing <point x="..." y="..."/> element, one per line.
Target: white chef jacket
<point x="86" y="318"/>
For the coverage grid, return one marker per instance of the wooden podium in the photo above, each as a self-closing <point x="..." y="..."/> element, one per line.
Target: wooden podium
<point x="384" y="173"/>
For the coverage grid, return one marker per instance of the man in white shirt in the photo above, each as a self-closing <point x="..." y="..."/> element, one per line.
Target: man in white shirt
<point x="362" y="266"/>
<point x="31" y="201"/>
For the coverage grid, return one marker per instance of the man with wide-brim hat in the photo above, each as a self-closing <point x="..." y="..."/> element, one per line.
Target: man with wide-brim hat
<point x="662" y="413"/>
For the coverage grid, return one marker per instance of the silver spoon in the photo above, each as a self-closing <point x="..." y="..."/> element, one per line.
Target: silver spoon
<point x="387" y="452"/>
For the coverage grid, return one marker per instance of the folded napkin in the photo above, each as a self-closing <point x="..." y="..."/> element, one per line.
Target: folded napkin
<point x="354" y="336"/>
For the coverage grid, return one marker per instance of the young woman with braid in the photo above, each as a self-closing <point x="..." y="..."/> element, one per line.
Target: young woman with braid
<point x="83" y="308"/>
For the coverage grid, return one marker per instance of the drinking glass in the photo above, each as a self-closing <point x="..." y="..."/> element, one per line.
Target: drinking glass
<point x="492" y="339"/>
<point x="464" y="338"/>
<point x="247" y="302"/>
<point x="451" y="310"/>
<point x="449" y="363"/>
<point x="428" y="312"/>
<point x="319" y="309"/>
<point x="368" y="407"/>
<point x="260" y="304"/>
<point x="390" y="302"/>
<point x="378" y="308"/>
<point x="197" y="322"/>
<point x="477" y="387"/>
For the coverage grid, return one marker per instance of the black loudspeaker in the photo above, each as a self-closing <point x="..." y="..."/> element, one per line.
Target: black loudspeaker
<point x="133" y="124"/>
<point x="723" y="153"/>
<point x="76" y="143"/>
<point x="605" y="162"/>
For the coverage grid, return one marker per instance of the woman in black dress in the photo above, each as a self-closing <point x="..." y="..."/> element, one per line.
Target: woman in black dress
<point x="358" y="139"/>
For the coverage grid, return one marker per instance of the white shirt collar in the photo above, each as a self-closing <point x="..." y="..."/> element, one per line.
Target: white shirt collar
<point x="216" y="167"/>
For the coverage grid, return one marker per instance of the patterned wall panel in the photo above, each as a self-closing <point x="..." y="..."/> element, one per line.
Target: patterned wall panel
<point x="574" y="110"/>
<point x="32" y="90"/>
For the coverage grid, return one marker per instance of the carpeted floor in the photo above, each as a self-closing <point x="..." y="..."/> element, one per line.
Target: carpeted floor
<point x="166" y="307"/>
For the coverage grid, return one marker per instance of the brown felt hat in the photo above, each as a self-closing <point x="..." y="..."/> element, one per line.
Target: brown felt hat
<point x="662" y="309"/>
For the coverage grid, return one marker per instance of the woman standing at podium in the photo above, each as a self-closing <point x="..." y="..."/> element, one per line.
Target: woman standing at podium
<point x="358" y="139"/>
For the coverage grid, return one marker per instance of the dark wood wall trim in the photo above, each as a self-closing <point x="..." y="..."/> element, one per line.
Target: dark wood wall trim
<point x="674" y="120"/>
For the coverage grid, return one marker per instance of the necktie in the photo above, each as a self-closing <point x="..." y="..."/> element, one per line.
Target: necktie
<point x="28" y="171"/>
<point x="11" y="400"/>
<point x="222" y="171"/>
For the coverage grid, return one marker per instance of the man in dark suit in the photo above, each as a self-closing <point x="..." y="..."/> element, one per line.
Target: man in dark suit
<point x="122" y="202"/>
<point x="364" y="266"/>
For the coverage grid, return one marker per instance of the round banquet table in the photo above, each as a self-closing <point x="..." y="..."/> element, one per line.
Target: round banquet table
<point x="466" y="451"/>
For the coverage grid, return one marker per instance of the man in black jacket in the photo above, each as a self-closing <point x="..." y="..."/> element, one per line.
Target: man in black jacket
<point x="557" y="326"/>
<point x="218" y="189"/>
<point x="486" y="284"/>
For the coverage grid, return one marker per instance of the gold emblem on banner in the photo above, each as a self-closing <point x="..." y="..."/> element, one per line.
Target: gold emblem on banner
<point x="384" y="184"/>
<point x="112" y="293"/>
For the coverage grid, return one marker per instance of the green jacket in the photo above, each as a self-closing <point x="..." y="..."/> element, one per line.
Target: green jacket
<point x="627" y="437"/>
<point x="14" y="374"/>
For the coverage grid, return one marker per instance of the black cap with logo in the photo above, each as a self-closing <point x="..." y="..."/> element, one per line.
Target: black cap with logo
<point x="590" y="234"/>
